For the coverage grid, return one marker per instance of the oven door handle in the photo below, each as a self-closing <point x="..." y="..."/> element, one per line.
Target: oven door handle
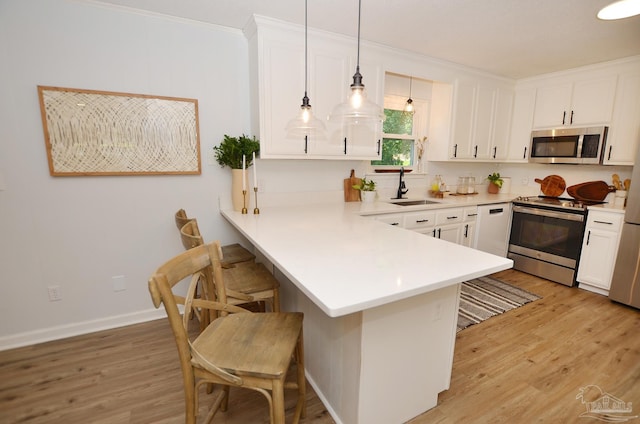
<point x="551" y="214"/>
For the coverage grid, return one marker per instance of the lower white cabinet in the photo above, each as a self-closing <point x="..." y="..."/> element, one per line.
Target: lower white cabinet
<point x="599" y="251"/>
<point x="469" y="227"/>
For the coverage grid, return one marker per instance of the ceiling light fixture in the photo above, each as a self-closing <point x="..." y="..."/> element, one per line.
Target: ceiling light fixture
<point x="408" y="107"/>
<point x="619" y="10"/>
<point x="358" y="108"/>
<point x="305" y="123"/>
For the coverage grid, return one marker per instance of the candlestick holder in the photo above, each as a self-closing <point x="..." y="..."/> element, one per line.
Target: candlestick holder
<point x="244" y="202"/>
<point x="256" y="211"/>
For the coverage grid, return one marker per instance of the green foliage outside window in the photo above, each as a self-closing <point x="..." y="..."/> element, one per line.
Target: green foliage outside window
<point x="395" y="150"/>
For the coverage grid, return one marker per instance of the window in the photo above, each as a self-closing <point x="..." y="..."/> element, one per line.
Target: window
<point x="399" y="132"/>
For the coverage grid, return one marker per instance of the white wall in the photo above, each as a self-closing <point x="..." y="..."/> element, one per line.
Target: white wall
<point x="79" y="232"/>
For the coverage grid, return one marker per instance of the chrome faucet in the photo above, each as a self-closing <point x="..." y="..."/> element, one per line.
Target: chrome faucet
<point x="402" y="188"/>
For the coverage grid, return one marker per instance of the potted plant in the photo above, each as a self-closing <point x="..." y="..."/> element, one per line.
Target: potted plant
<point x="367" y="190"/>
<point x="230" y="153"/>
<point x="495" y="183"/>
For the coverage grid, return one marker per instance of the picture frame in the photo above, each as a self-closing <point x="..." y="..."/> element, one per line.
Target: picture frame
<point x="92" y="132"/>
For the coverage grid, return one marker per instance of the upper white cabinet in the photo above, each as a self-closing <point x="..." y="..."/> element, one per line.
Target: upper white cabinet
<point x="521" y="123"/>
<point x="277" y="73"/>
<point x="624" y="132"/>
<point x="575" y="103"/>
<point x="481" y="121"/>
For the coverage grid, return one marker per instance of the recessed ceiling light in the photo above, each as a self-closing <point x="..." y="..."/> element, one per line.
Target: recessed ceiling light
<point x="620" y="9"/>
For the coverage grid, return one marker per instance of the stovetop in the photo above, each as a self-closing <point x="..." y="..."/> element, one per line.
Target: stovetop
<point x="556" y="202"/>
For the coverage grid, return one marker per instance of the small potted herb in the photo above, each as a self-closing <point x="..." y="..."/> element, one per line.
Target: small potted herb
<point x="495" y="183"/>
<point x="367" y="190"/>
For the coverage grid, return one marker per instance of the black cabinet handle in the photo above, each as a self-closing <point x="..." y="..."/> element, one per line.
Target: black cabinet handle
<point x="475" y="151"/>
<point x="588" y="237"/>
<point x="609" y="157"/>
<point x="603" y="222"/>
<point x="455" y="150"/>
<point x="524" y="156"/>
<point x="571" y="121"/>
<point x="452" y="217"/>
<point x="306" y="139"/>
<point x="564" y="116"/>
<point x="495" y="152"/>
<point x="345" y="145"/>
<point x="434" y="232"/>
<point x="419" y="221"/>
<point x="466" y="231"/>
<point x="439" y="231"/>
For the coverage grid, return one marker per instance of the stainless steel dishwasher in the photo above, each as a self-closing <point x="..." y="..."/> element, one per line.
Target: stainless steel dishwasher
<point x="492" y="228"/>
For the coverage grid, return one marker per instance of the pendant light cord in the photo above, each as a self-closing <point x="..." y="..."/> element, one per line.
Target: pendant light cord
<point x="359" y="13"/>
<point x="305" y="49"/>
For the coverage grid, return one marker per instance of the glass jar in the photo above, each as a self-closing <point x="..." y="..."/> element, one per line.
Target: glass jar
<point x="471" y="185"/>
<point x="463" y="185"/>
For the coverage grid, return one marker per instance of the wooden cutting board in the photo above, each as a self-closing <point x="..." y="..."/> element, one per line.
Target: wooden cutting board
<point x="552" y="185"/>
<point x="350" y="193"/>
<point x="590" y="191"/>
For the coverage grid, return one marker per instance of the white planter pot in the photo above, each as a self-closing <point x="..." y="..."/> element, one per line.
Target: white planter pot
<point x="368" y="196"/>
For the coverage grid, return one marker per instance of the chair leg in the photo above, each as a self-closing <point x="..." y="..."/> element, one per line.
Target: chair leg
<point x="302" y="381"/>
<point x="275" y="306"/>
<point x="277" y="394"/>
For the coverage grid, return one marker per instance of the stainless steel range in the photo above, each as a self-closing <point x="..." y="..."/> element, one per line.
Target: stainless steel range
<point x="546" y="237"/>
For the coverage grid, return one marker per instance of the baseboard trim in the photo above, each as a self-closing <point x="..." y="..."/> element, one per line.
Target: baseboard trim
<point x="69" y="330"/>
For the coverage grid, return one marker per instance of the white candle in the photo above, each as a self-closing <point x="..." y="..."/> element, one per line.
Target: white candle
<point x="244" y="182"/>
<point x="255" y="171"/>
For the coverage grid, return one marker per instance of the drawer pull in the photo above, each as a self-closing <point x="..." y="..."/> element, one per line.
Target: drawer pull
<point x="603" y="222"/>
<point x="419" y="221"/>
<point x="394" y="223"/>
<point x="452" y="217"/>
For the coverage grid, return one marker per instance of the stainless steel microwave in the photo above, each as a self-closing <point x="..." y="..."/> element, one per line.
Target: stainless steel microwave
<point x="569" y="145"/>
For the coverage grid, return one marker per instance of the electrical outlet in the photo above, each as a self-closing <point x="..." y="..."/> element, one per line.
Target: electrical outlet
<point x="54" y="293"/>
<point x="119" y="283"/>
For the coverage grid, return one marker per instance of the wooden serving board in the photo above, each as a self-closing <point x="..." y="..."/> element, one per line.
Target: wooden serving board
<point x="350" y="193"/>
<point x="590" y="191"/>
<point x="552" y="185"/>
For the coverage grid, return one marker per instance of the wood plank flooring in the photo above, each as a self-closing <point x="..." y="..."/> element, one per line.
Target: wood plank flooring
<point x="526" y="365"/>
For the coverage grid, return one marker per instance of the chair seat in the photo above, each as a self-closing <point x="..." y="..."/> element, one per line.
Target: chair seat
<point x="235" y="253"/>
<point x="249" y="278"/>
<point x="244" y="344"/>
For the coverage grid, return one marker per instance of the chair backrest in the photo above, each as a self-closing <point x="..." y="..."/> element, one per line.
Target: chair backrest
<point x="181" y="218"/>
<point x="190" y="234"/>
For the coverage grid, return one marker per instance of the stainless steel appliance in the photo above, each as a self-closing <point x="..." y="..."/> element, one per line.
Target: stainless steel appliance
<point x="569" y="145"/>
<point x="546" y="237"/>
<point x="625" y="284"/>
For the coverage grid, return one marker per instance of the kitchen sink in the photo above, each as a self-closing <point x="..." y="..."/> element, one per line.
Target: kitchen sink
<point x="414" y="202"/>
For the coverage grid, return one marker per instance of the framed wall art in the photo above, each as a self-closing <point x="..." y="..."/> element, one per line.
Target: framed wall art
<point x="89" y="132"/>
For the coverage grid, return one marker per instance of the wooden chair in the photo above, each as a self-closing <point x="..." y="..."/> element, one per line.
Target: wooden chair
<point x="231" y="254"/>
<point x="240" y="349"/>
<point x="245" y="282"/>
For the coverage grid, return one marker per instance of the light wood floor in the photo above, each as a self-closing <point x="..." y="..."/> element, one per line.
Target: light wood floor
<point x="524" y="366"/>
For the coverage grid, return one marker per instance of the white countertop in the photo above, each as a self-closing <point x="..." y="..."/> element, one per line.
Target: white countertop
<point x="347" y="263"/>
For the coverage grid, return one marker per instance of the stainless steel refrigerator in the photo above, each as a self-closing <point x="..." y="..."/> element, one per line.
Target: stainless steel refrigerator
<point x="625" y="285"/>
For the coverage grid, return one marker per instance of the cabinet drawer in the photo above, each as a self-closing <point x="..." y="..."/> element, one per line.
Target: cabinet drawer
<point x="604" y="221"/>
<point x="449" y="216"/>
<point x="422" y="219"/>
<point x="391" y="219"/>
<point x="470" y="214"/>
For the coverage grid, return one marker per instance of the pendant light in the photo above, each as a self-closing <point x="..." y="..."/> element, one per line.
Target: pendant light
<point x="358" y="108"/>
<point x="620" y="9"/>
<point x="408" y="107"/>
<point x="305" y="123"/>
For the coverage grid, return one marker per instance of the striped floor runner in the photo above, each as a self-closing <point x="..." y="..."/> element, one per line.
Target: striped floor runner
<point x="485" y="297"/>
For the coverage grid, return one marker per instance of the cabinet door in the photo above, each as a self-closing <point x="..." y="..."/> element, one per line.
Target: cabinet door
<point x="501" y="124"/>
<point x="452" y="233"/>
<point x="592" y="101"/>
<point x="391" y="219"/>
<point x="482" y="126"/>
<point x="552" y="104"/>
<point x="468" y="234"/>
<point x="521" y="125"/>
<point x="598" y="258"/>
<point x="624" y="132"/>
<point x="464" y="95"/>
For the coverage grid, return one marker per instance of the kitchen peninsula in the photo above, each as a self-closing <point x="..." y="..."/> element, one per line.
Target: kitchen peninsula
<point x="380" y="304"/>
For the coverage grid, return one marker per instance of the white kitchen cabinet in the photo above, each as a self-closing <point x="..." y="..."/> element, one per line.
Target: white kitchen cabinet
<point x="599" y="251"/>
<point x="421" y="221"/>
<point x="395" y="219"/>
<point x="277" y="71"/>
<point x="481" y="121"/>
<point x="575" y="103"/>
<point x="624" y="132"/>
<point x="521" y="124"/>
<point x="449" y="225"/>
<point x="467" y="237"/>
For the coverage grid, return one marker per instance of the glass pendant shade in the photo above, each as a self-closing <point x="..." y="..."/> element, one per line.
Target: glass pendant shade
<point x="305" y="123"/>
<point x="408" y="107"/>
<point x="620" y="10"/>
